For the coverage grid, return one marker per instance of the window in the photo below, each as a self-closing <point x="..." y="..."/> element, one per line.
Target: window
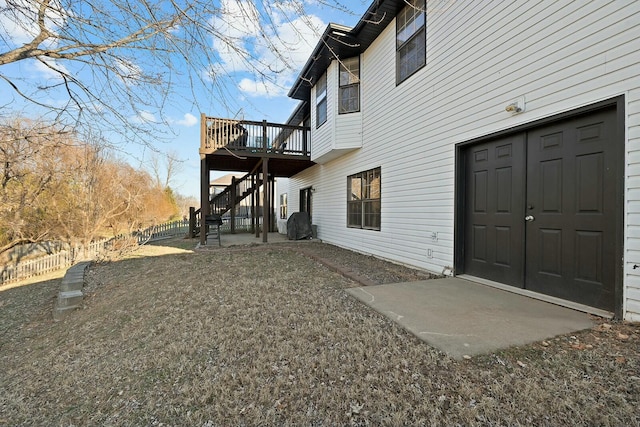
<point x="411" y="39"/>
<point x="363" y="200"/>
<point x="321" y="100"/>
<point x="283" y="206"/>
<point x="349" y="95"/>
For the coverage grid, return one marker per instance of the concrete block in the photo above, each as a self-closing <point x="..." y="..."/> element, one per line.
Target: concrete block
<point x="70" y="295"/>
<point x="60" y="312"/>
<point x="71" y="284"/>
<point x="70" y="299"/>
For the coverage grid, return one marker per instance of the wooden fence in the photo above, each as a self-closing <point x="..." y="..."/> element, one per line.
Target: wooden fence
<point x="66" y="258"/>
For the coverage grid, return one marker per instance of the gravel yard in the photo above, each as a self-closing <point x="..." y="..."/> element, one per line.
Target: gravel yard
<point x="266" y="335"/>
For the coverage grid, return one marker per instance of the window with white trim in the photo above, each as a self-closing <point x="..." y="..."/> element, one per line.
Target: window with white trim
<point x="411" y="39"/>
<point x="349" y="82"/>
<point x="364" y="200"/>
<point x="321" y="100"/>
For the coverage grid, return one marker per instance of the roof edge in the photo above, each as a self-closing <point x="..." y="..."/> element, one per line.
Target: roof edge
<point x="331" y="27"/>
<point x="376" y="18"/>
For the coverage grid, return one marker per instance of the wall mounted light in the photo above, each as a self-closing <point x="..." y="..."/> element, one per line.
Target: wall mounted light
<point x="516" y="106"/>
<point x="513" y="108"/>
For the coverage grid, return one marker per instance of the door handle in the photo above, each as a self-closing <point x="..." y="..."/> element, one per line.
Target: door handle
<point x="529" y="218"/>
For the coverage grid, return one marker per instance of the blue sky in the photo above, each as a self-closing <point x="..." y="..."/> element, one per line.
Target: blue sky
<point x="291" y="39"/>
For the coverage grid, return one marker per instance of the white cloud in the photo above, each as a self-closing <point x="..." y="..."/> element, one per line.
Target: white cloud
<point x="263" y="88"/>
<point x="144" y="117"/>
<point x="19" y="19"/>
<point x="128" y="70"/>
<point x="188" y="120"/>
<point x="293" y="43"/>
<point x="49" y="68"/>
<point x="238" y="19"/>
<point x="237" y="23"/>
<point x="147" y="116"/>
<point x="276" y="50"/>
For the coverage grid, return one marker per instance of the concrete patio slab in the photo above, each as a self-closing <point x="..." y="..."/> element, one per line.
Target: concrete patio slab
<point x="460" y="317"/>
<point x="228" y="240"/>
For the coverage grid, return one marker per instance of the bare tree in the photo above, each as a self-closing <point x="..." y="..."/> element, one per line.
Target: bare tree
<point x="28" y="167"/>
<point x="184" y="203"/>
<point x="100" y="196"/>
<point x="164" y="167"/>
<point x="54" y="186"/>
<point x="109" y="61"/>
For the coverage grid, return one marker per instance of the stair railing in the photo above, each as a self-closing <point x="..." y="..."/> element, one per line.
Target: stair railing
<point x="222" y="202"/>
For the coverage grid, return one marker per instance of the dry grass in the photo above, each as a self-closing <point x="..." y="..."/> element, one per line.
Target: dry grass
<point x="266" y="336"/>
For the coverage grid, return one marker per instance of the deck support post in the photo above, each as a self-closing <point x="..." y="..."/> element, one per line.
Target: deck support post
<point x="265" y="195"/>
<point x="253" y="203"/>
<point x="272" y="187"/>
<point x="192" y="222"/>
<point x="257" y="207"/>
<point x="232" y="202"/>
<point x="204" y="199"/>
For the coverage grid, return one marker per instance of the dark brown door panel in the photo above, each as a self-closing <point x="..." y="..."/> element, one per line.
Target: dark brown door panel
<point x="571" y="193"/>
<point x="494" y="210"/>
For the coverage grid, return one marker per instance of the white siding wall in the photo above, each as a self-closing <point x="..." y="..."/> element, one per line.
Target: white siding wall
<point x="348" y="131"/>
<point x="481" y="55"/>
<point x="342" y="132"/>
<point x="348" y="134"/>
<point x="324" y="135"/>
<point x="632" y="229"/>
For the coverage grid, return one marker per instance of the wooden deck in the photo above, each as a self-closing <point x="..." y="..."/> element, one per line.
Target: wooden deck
<point x="239" y="145"/>
<point x="263" y="150"/>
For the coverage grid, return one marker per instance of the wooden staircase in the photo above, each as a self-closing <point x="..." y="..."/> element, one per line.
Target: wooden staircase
<point x="235" y="193"/>
<point x="229" y="198"/>
<point x="268" y="150"/>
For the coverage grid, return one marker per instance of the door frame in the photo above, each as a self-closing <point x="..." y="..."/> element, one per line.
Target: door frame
<point x="306" y="200"/>
<point x="460" y="194"/>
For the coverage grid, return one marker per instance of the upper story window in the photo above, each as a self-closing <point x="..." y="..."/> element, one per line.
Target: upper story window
<point x="411" y="39"/>
<point x="349" y="95"/>
<point x="321" y="100"/>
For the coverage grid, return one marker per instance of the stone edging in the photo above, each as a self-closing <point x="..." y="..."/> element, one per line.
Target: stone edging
<point x="344" y="271"/>
<point x="70" y="295"/>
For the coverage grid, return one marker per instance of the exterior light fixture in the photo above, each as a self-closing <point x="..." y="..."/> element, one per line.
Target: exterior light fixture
<point x="516" y="106"/>
<point x="513" y="108"/>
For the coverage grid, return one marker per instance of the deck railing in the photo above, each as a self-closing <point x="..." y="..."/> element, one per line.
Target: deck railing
<point x="253" y="137"/>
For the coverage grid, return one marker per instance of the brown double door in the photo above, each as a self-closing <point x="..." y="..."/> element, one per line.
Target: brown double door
<point x="540" y="209"/>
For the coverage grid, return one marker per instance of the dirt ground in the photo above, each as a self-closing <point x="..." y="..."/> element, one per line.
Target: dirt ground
<point x="266" y="335"/>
